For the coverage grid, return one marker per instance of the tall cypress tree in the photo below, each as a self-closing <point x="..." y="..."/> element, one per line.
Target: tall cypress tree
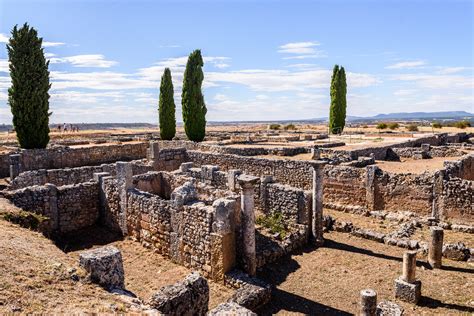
<point x="342" y="97"/>
<point x="28" y="96"/>
<point x="192" y="100"/>
<point x="337" y="110"/>
<point x="334" y="107"/>
<point x="166" y="108"/>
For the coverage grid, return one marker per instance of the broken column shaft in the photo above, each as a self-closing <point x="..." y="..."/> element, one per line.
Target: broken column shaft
<point x="409" y="266"/>
<point x="247" y="185"/>
<point x="368" y="302"/>
<point x="317" y="205"/>
<point x="407" y="288"/>
<point x="435" y="251"/>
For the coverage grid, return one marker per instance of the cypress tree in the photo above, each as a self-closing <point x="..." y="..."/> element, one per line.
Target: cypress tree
<point x="334" y="107"/>
<point x="166" y="108"/>
<point x="192" y="100"/>
<point x="337" y="110"/>
<point x="28" y="96"/>
<point x="342" y="98"/>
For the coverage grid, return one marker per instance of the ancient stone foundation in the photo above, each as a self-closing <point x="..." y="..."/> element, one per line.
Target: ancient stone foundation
<point x="407" y="288"/>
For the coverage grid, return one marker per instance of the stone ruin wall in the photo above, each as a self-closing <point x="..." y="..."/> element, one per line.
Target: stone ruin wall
<point x="348" y="185"/>
<point x="63" y="157"/>
<point x="68" y="208"/>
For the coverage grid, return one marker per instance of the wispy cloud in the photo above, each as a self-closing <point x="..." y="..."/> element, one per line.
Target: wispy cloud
<point x="407" y="65"/>
<point x="4" y="65"/>
<point x="92" y="60"/>
<point x="53" y="44"/>
<point x="299" y="48"/>
<point x="4" y="38"/>
<point x="302" y="50"/>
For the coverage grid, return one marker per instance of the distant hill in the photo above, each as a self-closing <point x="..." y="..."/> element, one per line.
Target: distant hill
<point x="425" y="115"/>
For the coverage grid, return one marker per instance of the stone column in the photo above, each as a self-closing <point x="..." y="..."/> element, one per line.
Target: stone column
<point x="425" y="147"/>
<point x="409" y="266"/>
<point x="407" y="288"/>
<point x="370" y="187"/>
<point x="52" y="207"/>
<point x="99" y="177"/>
<point x="232" y="175"/>
<point x="264" y="181"/>
<point x="315" y="153"/>
<point x="368" y="302"/>
<point x="435" y="251"/>
<point x="247" y="184"/>
<point x="14" y="166"/>
<point x="124" y="183"/>
<point x="154" y="152"/>
<point x="437" y="209"/>
<point x="317" y="205"/>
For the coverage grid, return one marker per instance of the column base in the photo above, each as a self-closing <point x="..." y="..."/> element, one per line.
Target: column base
<point x="408" y="292"/>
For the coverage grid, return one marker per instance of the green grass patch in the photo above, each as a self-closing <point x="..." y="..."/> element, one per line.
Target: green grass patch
<point x="25" y="219"/>
<point x="273" y="222"/>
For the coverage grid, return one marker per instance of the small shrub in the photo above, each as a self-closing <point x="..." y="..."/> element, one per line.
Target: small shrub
<point x="462" y="124"/>
<point x="365" y="126"/>
<point x="381" y="126"/>
<point x="274" y="222"/>
<point x="290" y="127"/>
<point x="274" y="126"/>
<point x="25" y="219"/>
<point x="393" y="125"/>
<point x="437" y="125"/>
<point x="412" y="128"/>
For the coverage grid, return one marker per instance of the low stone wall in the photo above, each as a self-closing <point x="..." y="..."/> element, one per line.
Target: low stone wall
<point x="440" y="151"/>
<point x="68" y="208"/>
<point x="63" y="157"/>
<point x="292" y="172"/>
<point x="463" y="168"/>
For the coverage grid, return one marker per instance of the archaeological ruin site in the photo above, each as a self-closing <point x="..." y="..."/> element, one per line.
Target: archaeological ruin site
<point x="250" y="223"/>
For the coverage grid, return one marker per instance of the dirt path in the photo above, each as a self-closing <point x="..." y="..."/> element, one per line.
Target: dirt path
<point x="327" y="281"/>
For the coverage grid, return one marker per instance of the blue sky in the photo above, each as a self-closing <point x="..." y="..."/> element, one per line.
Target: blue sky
<point x="264" y="60"/>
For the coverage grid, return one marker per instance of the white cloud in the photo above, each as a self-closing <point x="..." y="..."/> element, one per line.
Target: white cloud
<point x="452" y="70"/>
<point x="49" y="55"/>
<point x="299" y="48"/>
<point x="262" y="97"/>
<point x="404" y="92"/>
<point x="302" y="50"/>
<point x="4" y="65"/>
<point x="4" y="38"/>
<point x="90" y="60"/>
<point x="438" y="81"/>
<point x="407" y="65"/>
<point x="53" y="44"/>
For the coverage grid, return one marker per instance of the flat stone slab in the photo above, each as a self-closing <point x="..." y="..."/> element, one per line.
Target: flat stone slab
<point x="408" y="292"/>
<point x="105" y="266"/>
<point x="245" y="178"/>
<point x="230" y="309"/>
<point x="387" y="308"/>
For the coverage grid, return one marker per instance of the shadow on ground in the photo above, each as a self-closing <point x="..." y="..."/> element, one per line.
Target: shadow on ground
<point x="86" y="238"/>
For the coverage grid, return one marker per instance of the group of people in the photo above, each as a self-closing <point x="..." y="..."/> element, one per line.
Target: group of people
<point x="67" y="128"/>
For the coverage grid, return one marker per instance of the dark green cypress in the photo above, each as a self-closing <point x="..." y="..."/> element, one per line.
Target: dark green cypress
<point x="342" y="98"/>
<point x="192" y="100"/>
<point x="28" y="96"/>
<point x="334" y="107"/>
<point x="166" y="108"/>
<point x="337" y="111"/>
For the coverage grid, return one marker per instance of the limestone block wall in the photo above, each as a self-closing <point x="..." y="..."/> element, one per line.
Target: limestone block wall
<point x="78" y="206"/>
<point x="292" y="172"/>
<point x="68" y="208"/>
<point x="463" y="168"/>
<point x="170" y="159"/>
<point x="400" y="192"/>
<point x="62" y="157"/>
<point x="345" y="185"/>
<point x="293" y="203"/>
<point x="458" y="199"/>
<point x="410" y="152"/>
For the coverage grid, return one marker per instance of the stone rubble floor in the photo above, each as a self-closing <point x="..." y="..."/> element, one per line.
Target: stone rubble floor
<point x="386" y="226"/>
<point x="327" y="281"/>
